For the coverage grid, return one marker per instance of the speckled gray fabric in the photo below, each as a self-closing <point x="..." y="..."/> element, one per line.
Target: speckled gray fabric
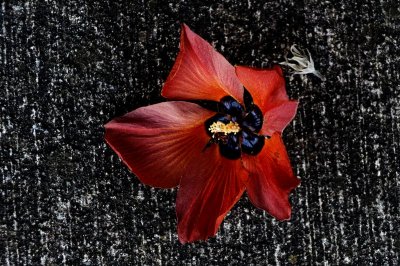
<point x="68" y="67"/>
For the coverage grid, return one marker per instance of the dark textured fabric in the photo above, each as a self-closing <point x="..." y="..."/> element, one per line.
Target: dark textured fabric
<point x="68" y="67"/>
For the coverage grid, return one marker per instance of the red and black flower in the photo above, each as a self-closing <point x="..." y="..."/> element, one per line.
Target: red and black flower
<point x="220" y="136"/>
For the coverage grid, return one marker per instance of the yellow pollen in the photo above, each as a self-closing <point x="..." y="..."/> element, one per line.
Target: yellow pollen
<point x="219" y="127"/>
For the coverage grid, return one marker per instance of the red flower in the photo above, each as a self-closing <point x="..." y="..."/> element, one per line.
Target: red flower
<point x="216" y="140"/>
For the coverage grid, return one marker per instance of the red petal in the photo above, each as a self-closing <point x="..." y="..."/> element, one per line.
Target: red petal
<point x="160" y="141"/>
<point x="206" y="194"/>
<point x="271" y="178"/>
<point x="200" y="72"/>
<point x="277" y="118"/>
<point x="266" y="86"/>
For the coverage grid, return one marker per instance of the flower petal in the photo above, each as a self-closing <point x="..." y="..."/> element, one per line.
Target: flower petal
<point x="266" y="86"/>
<point x="277" y="118"/>
<point x="206" y="194"/>
<point x="271" y="178"/>
<point x="160" y="141"/>
<point x="200" y="72"/>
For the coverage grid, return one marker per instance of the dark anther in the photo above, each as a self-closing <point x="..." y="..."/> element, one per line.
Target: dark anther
<point x="231" y="107"/>
<point x="231" y="148"/>
<point x="248" y="100"/>
<point x="253" y="119"/>
<point x="252" y="143"/>
<point x="234" y="127"/>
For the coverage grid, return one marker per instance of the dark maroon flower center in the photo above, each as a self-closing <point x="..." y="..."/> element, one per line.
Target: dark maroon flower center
<point x="235" y="127"/>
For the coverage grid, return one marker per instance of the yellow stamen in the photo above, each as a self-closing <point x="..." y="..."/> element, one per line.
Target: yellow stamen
<point x="219" y="127"/>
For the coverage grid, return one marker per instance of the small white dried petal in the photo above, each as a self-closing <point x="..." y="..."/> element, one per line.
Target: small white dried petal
<point x="301" y="63"/>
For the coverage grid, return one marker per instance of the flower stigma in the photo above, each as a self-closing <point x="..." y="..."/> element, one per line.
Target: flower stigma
<point x="219" y="127"/>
